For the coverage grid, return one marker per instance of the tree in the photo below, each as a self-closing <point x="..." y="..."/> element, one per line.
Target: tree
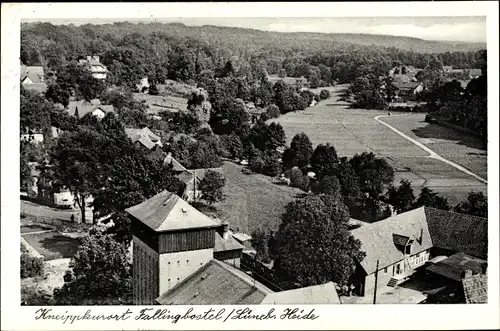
<point x="299" y="153"/>
<point x="298" y="179"/>
<point x="373" y="173"/>
<point x="429" y="198"/>
<point x="260" y="241"/>
<point x="324" y="94"/>
<point x="90" y="87"/>
<point x="329" y="185"/>
<point x="79" y="159"/>
<point x="100" y="273"/>
<point x="476" y="204"/>
<point x="199" y="105"/>
<point x="313" y="244"/>
<point x="57" y="94"/>
<point x="273" y="111"/>
<point x="324" y="160"/>
<point x="232" y="146"/>
<point x="153" y="89"/>
<point x="31" y="266"/>
<point x="402" y="198"/>
<point x="211" y="187"/>
<point x="232" y="117"/>
<point x="272" y="166"/>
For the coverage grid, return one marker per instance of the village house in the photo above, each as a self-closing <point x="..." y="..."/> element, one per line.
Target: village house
<point x="33" y="78"/>
<point x="408" y="90"/>
<point x="475" y="73"/>
<point x="190" y="177"/>
<point x="143" y="85"/>
<point x="96" y="68"/>
<point x="183" y="257"/>
<point x="397" y="247"/>
<point x="94" y="107"/>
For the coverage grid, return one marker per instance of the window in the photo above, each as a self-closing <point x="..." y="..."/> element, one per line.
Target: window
<point x="187" y="261"/>
<point x="398" y="268"/>
<point x="408" y="249"/>
<point x="385" y="270"/>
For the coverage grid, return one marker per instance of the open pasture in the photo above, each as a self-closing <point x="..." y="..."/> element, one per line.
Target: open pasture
<point x="354" y="131"/>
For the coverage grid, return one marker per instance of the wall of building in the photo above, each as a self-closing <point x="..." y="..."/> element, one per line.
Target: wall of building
<point x="99" y="75"/>
<point x="386" y="273"/>
<point x="145" y="273"/>
<point x="186" y="240"/>
<point x="175" y="267"/>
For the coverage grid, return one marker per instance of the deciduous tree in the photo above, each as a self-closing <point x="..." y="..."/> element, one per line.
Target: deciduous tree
<point x="313" y="244"/>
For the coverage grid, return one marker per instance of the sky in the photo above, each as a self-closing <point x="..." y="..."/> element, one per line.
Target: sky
<point x="465" y="29"/>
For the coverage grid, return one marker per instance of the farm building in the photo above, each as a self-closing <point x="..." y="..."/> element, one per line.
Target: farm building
<point x="94" y="107"/>
<point x="96" y="68"/>
<point x="398" y="246"/>
<point x="183" y="257"/>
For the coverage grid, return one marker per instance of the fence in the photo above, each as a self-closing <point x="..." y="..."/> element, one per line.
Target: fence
<point x="264" y="274"/>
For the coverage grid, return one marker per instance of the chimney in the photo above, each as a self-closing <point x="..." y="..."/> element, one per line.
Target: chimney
<point x="420" y="240"/>
<point x="223" y="230"/>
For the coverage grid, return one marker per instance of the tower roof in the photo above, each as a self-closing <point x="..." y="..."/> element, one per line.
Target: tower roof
<point x="167" y="212"/>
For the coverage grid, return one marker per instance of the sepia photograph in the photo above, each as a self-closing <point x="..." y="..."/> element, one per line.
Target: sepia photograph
<point x="253" y="161"/>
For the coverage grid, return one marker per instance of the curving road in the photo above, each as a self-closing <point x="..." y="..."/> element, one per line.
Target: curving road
<point x="432" y="154"/>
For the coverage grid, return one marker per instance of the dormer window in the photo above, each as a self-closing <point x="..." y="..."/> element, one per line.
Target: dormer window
<point x="403" y="243"/>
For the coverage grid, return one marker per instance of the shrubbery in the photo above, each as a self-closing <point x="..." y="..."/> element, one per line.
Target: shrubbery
<point x="31" y="266"/>
<point x="324" y="94"/>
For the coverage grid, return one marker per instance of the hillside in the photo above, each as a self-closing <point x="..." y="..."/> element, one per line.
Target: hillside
<point x="250" y="38"/>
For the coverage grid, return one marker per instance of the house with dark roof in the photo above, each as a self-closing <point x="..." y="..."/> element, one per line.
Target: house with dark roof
<point x="144" y="137"/>
<point x="33" y="78"/>
<point x="82" y="107"/>
<point x="400" y="245"/>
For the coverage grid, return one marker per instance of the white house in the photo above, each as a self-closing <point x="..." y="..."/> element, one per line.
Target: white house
<point x="96" y="68"/>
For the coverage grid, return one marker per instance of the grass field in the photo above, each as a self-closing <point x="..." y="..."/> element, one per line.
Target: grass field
<point x="354" y="131"/>
<point x="52" y="245"/>
<point x="252" y="200"/>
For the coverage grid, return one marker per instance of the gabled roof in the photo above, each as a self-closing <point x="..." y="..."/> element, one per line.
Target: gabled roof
<point x="216" y="283"/>
<point x="167" y="212"/>
<point x="458" y="232"/>
<point x="229" y="244"/>
<point x="475" y="72"/>
<point x="377" y="238"/>
<point x="175" y="164"/>
<point x="186" y="177"/>
<point x="85" y="107"/>
<point x="475" y="288"/>
<point x="319" y="294"/>
<point x="456" y="265"/>
<point x="38" y="87"/>
<point x="34" y="73"/>
<point x="442" y="229"/>
<point x="144" y="136"/>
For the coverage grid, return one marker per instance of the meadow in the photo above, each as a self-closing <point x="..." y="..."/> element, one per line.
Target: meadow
<point x="354" y="131"/>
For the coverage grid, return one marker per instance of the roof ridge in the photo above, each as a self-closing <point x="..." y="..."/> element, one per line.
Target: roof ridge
<point x="454" y="212"/>
<point x="228" y="268"/>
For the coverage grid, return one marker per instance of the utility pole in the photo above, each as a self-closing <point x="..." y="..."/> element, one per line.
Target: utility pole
<point x="375" y="289"/>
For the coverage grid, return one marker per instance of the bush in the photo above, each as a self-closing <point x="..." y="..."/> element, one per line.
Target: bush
<point x="298" y="179"/>
<point x="273" y="111"/>
<point x="31" y="266"/>
<point x="231" y="146"/>
<point x="257" y="164"/>
<point x="324" y="94"/>
<point x="33" y="296"/>
<point x="153" y="90"/>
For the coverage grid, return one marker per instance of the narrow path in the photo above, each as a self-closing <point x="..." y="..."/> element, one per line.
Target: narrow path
<point x="432" y="154"/>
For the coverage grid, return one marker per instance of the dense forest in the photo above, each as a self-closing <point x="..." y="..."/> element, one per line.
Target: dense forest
<point x="179" y="52"/>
